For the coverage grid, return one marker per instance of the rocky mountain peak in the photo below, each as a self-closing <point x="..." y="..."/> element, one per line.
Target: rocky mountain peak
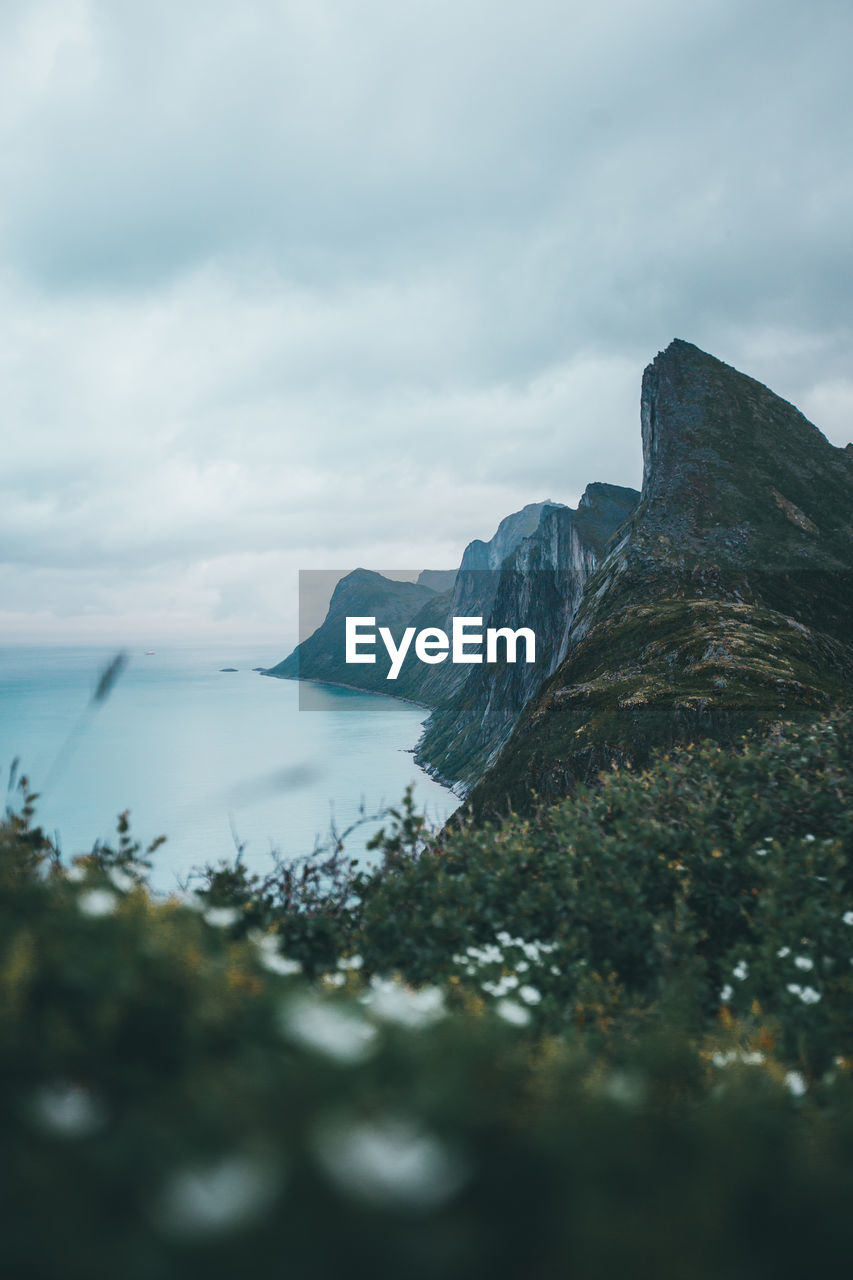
<point x="724" y="605"/>
<point x="728" y="462"/>
<point x="510" y="532"/>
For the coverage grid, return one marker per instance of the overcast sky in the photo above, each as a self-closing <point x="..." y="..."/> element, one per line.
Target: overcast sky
<point x="325" y="283"/>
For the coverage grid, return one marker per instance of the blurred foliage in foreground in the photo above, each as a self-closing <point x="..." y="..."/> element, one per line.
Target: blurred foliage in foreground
<point x="614" y="1038"/>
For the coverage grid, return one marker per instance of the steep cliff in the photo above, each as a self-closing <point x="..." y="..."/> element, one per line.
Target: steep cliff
<point x="725" y="605"/>
<point x="437" y="579"/>
<point x="359" y="594"/>
<point x="539" y="585"/>
<point x="473" y="596"/>
<point x="436" y="598"/>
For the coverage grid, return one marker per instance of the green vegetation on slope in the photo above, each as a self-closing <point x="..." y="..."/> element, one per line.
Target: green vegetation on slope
<point x="648" y="676"/>
<point x="614" y="1035"/>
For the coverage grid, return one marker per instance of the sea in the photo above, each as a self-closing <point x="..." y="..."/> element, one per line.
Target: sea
<point x="218" y="761"/>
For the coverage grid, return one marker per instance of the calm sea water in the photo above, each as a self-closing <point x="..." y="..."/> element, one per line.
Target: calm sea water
<point x="197" y="754"/>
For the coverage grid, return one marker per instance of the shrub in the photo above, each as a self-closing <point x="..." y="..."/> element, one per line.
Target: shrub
<point x="178" y="1098"/>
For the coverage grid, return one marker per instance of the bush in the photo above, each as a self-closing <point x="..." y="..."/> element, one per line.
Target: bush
<point x="651" y="893"/>
<point x="715" y="884"/>
<point x="575" y="1091"/>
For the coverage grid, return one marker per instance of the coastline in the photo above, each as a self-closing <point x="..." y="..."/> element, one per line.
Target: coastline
<point x="337" y="684"/>
<point x="430" y="770"/>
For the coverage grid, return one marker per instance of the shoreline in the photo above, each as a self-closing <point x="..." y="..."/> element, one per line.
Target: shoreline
<point x="430" y="770"/>
<point x="337" y="684"/>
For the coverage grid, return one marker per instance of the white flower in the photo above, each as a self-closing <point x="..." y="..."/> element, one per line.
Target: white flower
<point x="122" y="880"/>
<point x="808" y="995"/>
<point x="192" y="901"/>
<point x="334" y="1030"/>
<point x="221" y="917"/>
<point x="76" y="872"/>
<point x="530" y="995"/>
<point x="393" y="1002"/>
<point x="270" y="956"/>
<point x="262" y="940"/>
<point x="794" y="988"/>
<point x="350" y="962"/>
<point x="281" y="965"/>
<point x="512" y="1012"/>
<point x="507" y="983"/>
<point x="804" y="963"/>
<point x="749" y="1059"/>
<point x="388" y="1161"/>
<point x="783" y="951"/>
<point x="796" y="1082"/>
<point x="504" y="938"/>
<point x="848" y="917"/>
<point x="218" y="1198"/>
<point x="555" y="970"/>
<point x="761" y="853"/>
<point x="726" y="994"/>
<point x="740" y="970"/>
<point x="808" y="838"/>
<point x="68" y="1111"/>
<point x="97" y="902"/>
<point x="625" y="1087"/>
<point x="522" y="966"/>
<point x="335" y="979"/>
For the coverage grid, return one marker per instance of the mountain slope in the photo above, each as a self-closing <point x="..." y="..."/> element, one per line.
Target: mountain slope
<point x="539" y="586"/>
<point x="397" y="605"/>
<point x="361" y="593"/>
<point x="726" y="604"/>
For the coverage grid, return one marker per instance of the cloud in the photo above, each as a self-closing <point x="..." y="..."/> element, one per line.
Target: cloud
<point x="287" y="285"/>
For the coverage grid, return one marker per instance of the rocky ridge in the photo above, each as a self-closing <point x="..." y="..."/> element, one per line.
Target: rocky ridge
<point x="726" y="604"/>
<point x="539" y="585"/>
<point x="716" y="602"/>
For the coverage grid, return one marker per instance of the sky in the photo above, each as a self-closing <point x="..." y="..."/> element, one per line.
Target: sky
<point x="298" y="284"/>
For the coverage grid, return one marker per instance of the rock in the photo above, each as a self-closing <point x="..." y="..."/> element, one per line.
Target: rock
<point x="538" y="585"/>
<point x="361" y="593"/>
<point x="717" y="601"/>
<point x="437" y="579"/>
<point x="725" y="605"/>
<point x="397" y="605"/>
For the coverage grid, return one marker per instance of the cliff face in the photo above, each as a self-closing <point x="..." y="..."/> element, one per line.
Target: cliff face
<point x="437" y="579"/>
<point x="436" y="598"/>
<point x="539" y="585"/>
<point x="361" y="593"/>
<point x="726" y="603"/>
<point x="720" y="602"/>
<point x="510" y="532"/>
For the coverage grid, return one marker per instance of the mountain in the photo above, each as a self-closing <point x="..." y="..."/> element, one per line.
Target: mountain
<point x="727" y="602"/>
<point x="472" y="596"/>
<point x="436" y="597"/>
<point x="538" y="585"/>
<point x="361" y="593"/>
<point x="437" y="579"/>
<point x="717" y="601"/>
